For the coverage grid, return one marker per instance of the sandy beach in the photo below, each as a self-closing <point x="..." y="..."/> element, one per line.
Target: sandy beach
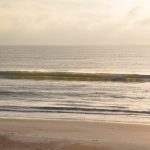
<point x="17" y="134"/>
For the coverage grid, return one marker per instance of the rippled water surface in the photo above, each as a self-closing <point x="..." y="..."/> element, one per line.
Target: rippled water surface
<point x="89" y="100"/>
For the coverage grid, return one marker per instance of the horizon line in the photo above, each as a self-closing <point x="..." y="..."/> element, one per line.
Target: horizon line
<point x="74" y="44"/>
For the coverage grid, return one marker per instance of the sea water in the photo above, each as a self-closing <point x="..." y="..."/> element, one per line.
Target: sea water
<point x="74" y="98"/>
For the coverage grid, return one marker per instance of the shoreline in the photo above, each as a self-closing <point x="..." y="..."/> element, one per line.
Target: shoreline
<point x="18" y="134"/>
<point x="107" y="121"/>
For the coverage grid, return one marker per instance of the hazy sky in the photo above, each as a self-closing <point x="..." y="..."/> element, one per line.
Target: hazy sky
<point x="74" y="21"/>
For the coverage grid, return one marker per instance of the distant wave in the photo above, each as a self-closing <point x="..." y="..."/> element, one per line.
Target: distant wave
<point x="72" y="76"/>
<point x="72" y="110"/>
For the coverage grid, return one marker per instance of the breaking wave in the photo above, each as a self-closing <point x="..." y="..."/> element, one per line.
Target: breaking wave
<point x="72" y="76"/>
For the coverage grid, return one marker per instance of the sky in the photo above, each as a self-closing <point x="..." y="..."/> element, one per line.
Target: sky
<point x="75" y="22"/>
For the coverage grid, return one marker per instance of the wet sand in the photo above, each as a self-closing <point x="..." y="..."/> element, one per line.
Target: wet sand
<point x="17" y="134"/>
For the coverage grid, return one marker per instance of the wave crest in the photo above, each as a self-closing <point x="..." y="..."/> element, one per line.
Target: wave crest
<point x="72" y="76"/>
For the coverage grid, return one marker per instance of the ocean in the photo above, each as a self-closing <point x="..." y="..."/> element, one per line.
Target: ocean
<point x="91" y="83"/>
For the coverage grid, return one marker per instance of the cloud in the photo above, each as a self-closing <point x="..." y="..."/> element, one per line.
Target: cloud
<point x="70" y="21"/>
<point x="145" y="22"/>
<point x="48" y="15"/>
<point x="133" y="12"/>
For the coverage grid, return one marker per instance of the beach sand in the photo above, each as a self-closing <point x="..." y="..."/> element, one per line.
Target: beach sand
<point x="19" y="134"/>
